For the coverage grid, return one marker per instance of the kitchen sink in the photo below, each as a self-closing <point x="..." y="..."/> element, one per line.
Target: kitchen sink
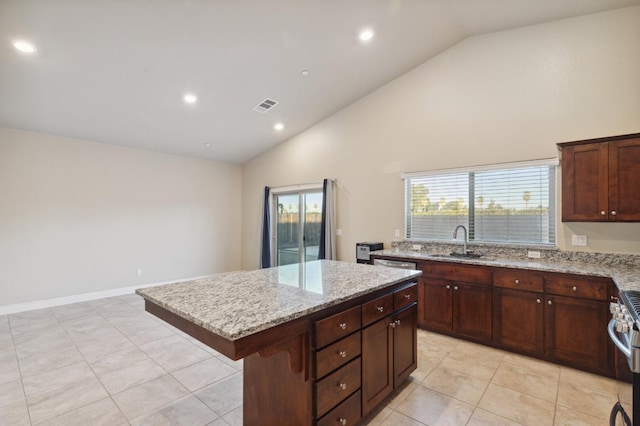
<point x="466" y="255"/>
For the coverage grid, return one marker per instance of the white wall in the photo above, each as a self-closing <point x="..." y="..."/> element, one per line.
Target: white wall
<point x="79" y="217"/>
<point x="501" y="97"/>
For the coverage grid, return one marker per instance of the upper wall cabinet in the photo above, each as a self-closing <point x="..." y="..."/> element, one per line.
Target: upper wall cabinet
<point x="601" y="179"/>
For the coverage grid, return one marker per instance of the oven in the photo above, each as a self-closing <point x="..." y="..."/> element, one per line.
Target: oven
<point x="624" y="331"/>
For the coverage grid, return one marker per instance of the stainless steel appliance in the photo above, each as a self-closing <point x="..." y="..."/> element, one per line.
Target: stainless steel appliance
<point x="363" y="251"/>
<point x="395" y="264"/>
<point x="624" y="331"/>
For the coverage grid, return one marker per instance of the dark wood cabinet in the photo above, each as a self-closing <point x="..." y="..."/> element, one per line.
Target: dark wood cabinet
<point x="518" y="320"/>
<point x="377" y="363"/>
<point x="436" y="309"/>
<point x="600" y="178"/>
<point x="389" y="351"/>
<point x="572" y="300"/>
<point x="460" y="304"/>
<point x="472" y="310"/>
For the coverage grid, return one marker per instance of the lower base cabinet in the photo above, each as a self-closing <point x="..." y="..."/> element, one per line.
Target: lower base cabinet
<point x="389" y="355"/>
<point x="518" y="320"/>
<point x="575" y="331"/>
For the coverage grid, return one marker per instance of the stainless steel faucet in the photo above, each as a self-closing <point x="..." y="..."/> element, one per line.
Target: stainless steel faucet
<point x="455" y="235"/>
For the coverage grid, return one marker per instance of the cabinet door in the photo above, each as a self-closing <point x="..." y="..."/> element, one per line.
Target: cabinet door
<point x="576" y="332"/>
<point x="472" y="310"/>
<point x="624" y="180"/>
<point x="377" y="363"/>
<point x="585" y="187"/>
<point x="436" y="304"/>
<point x="405" y="343"/>
<point x="518" y="321"/>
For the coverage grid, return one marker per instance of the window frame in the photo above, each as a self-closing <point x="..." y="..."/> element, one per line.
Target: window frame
<point x="471" y="171"/>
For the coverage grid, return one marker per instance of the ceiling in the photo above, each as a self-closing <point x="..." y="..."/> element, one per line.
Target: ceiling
<point x="115" y="71"/>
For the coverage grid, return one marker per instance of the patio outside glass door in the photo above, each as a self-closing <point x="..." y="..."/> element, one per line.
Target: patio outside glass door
<point x="299" y="216"/>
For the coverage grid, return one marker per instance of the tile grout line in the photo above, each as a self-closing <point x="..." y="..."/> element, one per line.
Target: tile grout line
<point x="15" y="351"/>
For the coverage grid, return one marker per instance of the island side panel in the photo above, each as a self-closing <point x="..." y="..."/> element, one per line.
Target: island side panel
<point x="278" y="386"/>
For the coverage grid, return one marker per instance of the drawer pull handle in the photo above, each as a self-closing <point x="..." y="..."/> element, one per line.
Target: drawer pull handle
<point x="549" y="302"/>
<point x="343" y="325"/>
<point x="407" y="296"/>
<point x="455" y="287"/>
<point x="538" y="300"/>
<point x="613" y="213"/>
<point x="448" y="286"/>
<point x="343" y="422"/>
<point x="343" y="354"/>
<point x="380" y="308"/>
<point x="603" y="213"/>
<point x="517" y="281"/>
<point x="343" y="386"/>
<point x="574" y="288"/>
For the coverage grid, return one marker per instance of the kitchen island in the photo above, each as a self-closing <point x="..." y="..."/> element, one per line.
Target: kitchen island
<point x="310" y="335"/>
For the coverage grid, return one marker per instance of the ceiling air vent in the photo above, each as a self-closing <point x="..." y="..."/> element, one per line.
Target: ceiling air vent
<point x="265" y="105"/>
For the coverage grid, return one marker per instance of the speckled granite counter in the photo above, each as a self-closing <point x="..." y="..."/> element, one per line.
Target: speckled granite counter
<point x="236" y="304"/>
<point x="625" y="274"/>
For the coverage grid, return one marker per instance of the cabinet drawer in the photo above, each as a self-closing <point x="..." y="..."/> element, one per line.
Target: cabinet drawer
<point x="347" y="413"/>
<point x="334" y="388"/>
<point x="376" y="309"/>
<point x="337" y="354"/>
<point x="457" y="272"/>
<point x="576" y="286"/>
<point x="337" y="326"/>
<point x="405" y="297"/>
<point x="518" y="280"/>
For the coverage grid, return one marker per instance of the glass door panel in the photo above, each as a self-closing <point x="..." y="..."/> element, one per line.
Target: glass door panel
<point x="297" y="229"/>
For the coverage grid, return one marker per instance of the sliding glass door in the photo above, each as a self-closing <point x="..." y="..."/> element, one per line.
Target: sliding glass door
<point x="298" y="218"/>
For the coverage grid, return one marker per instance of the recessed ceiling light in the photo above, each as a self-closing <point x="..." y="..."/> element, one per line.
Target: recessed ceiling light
<point x="24" y="46"/>
<point x="190" y="98"/>
<point x="305" y="72"/>
<point x="278" y="126"/>
<point x="366" y="34"/>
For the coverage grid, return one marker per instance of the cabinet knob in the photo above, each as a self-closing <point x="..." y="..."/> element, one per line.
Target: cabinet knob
<point x="448" y="287"/>
<point x="574" y="288"/>
<point x="407" y="296"/>
<point x="343" y="386"/>
<point x="397" y="322"/>
<point x="517" y="281"/>
<point x="380" y="308"/>
<point x="343" y="325"/>
<point x="343" y="421"/>
<point x="549" y="302"/>
<point x="603" y="213"/>
<point x="343" y="354"/>
<point x="455" y="287"/>
<point x="613" y="213"/>
<point x="538" y="300"/>
<point x="392" y="324"/>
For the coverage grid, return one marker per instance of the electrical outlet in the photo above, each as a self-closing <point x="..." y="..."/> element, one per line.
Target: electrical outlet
<point x="533" y="254"/>
<point x="416" y="247"/>
<point x="139" y="272"/>
<point x="339" y="232"/>
<point x="579" y="240"/>
<point x="397" y="232"/>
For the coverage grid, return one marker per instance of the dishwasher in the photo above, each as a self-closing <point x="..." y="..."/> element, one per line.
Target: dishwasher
<point x="395" y="264"/>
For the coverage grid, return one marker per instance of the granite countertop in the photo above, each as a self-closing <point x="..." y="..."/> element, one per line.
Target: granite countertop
<point x="625" y="276"/>
<point x="237" y="304"/>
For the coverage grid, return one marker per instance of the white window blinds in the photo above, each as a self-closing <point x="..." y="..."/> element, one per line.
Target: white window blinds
<point x="505" y="203"/>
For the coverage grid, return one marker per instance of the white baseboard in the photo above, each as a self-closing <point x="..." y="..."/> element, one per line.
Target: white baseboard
<point x="65" y="300"/>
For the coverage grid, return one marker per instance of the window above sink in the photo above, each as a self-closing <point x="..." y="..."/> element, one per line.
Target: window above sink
<point x="512" y="203"/>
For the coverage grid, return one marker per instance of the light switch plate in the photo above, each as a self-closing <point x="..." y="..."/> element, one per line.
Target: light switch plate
<point x="397" y="232"/>
<point x="579" y="240"/>
<point x="339" y="232"/>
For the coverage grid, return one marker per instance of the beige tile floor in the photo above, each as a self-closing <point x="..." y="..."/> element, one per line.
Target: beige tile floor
<point x="107" y="362"/>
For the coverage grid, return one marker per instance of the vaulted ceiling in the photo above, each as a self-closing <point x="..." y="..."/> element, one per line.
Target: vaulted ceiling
<point x="116" y="71"/>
